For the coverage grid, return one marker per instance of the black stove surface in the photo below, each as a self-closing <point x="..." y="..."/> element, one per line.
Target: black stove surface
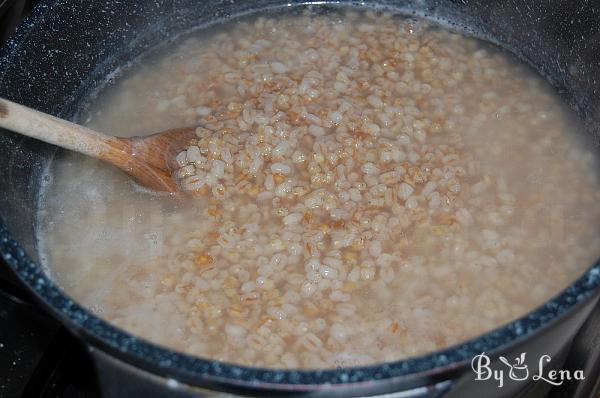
<point x="40" y="358"/>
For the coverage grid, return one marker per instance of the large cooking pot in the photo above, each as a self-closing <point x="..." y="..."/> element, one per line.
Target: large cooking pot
<point x="62" y="53"/>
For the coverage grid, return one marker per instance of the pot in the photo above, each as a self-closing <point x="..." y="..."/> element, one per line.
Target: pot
<point x="61" y="54"/>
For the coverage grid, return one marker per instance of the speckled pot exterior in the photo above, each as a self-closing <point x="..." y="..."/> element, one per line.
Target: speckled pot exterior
<point x="59" y="56"/>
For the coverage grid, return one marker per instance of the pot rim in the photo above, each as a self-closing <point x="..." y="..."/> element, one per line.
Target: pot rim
<point x="220" y="375"/>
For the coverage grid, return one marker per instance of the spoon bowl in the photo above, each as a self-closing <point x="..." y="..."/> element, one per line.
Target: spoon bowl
<point x="150" y="160"/>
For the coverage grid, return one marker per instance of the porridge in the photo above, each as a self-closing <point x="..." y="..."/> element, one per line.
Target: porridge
<point x="364" y="187"/>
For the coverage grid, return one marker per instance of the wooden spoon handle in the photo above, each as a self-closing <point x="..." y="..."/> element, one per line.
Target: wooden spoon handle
<point x="35" y="124"/>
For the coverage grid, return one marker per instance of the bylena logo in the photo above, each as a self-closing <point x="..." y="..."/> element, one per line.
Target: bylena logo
<point x="519" y="371"/>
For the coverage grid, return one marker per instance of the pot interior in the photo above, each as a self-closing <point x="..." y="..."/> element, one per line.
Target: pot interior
<point x="559" y="42"/>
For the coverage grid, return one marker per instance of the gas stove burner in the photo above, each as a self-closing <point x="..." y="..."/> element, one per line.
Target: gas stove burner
<point x="38" y="357"/>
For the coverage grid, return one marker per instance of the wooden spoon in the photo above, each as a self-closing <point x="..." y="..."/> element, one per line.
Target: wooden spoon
<point x="149" y="160"/>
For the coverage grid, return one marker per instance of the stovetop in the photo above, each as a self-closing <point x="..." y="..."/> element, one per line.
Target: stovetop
<point x="40" y="358"/>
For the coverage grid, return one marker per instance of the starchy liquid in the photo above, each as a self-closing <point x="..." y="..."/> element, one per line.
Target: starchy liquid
<point x="365" y="187"/>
